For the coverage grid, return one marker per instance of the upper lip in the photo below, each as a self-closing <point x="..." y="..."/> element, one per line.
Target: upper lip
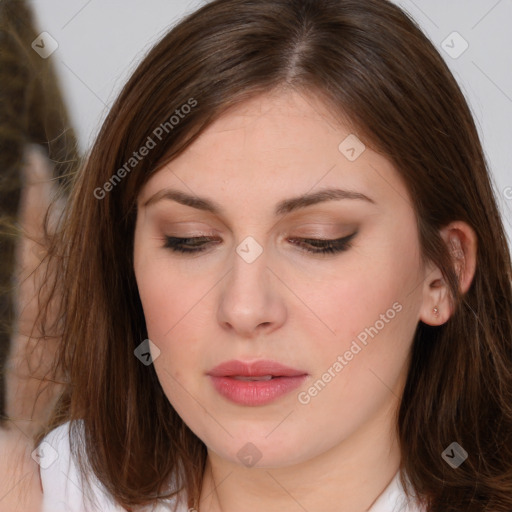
<point x="253" y="369"/>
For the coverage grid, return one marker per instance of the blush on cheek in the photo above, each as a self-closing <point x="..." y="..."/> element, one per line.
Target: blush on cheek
<point x="158" y="302"/>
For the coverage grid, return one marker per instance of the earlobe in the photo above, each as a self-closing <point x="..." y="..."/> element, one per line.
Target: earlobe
<point x="461" y="241"/>
<point x="436" y="308"/>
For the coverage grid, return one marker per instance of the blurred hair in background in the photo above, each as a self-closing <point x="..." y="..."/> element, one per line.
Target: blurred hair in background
<point x="37" y="148"/>
<point x="37" y="143"/>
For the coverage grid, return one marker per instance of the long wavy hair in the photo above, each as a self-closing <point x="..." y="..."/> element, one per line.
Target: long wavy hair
<point x="371" y="65"/>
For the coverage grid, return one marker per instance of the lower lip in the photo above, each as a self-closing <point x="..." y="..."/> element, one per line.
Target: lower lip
<point x="256" y="392"/>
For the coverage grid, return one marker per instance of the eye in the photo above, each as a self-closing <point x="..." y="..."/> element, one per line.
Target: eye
<point x="324" y="246"/>
<point x="312" y="245"/>
<point x="186" y="245"/>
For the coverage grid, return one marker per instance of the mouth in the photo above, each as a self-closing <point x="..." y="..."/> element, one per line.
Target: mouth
<point x="261" y="370"/>
<point x="251" y="392"/>
<point x="257" y="383"/>
<point x="265" y="377"/>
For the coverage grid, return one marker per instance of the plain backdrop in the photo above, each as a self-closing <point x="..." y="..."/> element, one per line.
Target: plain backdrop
<point x="100" y="43"/>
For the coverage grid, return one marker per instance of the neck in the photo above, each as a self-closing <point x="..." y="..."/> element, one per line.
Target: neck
<point x="348" y="477"/>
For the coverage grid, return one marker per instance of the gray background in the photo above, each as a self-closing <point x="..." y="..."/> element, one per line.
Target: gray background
<point x="101" y="42"/>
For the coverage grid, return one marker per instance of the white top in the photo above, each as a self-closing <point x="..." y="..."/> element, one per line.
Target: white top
<point x="62" y="489"/>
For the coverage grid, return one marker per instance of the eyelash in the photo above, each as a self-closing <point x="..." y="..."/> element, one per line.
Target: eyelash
<point x="338" y="245"/>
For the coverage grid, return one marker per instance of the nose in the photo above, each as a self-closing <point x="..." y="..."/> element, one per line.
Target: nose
<point x="251" y="300"/>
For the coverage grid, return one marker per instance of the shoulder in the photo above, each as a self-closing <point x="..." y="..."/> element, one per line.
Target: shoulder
<point x="63" y="490"/>
<point x="61" y="481"/>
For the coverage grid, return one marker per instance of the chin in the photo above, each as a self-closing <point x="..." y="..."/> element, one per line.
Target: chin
<point x="261" y="453"/>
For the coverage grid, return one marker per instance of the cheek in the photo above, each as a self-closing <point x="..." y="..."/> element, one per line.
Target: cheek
<point x="363" y="364"/>
<point x="367" y="310"/>
<point x="166" y="293"/>
<point x="367" y="279"/>
<point x="175" y="316"/>
<point x="340" y="304"/>
<point x="158" y="304"/>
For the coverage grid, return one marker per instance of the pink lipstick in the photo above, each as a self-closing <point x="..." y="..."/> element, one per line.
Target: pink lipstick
<point x="256" y="383"/>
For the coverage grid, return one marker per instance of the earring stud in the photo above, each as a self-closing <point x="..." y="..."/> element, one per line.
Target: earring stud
<point x="436" y="311"/>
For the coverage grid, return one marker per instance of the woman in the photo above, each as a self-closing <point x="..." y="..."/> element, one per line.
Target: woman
<point x="285" y="282"/>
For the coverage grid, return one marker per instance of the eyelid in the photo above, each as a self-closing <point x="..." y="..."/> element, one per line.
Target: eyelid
<point x="311" y="229"/>
<point x="320" y="234"/>
<point x="325" y="247"/>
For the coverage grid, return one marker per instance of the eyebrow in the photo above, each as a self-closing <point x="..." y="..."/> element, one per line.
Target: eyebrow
<point x="282" y="208"/>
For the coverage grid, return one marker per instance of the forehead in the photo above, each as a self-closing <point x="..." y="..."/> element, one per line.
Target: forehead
<point x="276" y="129"/>
<point x="278" y="145"/>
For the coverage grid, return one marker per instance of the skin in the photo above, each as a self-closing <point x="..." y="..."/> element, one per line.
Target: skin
<point x="339" y="451"/>
<point x="29" y="398"/>
<point x="30" y="394"/>
<point x="20" y="486"/>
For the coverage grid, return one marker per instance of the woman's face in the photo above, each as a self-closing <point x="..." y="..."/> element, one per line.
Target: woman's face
<point x="343" y="320"/>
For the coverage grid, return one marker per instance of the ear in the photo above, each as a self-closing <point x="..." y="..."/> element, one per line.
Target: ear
<point x="462" y="243"/>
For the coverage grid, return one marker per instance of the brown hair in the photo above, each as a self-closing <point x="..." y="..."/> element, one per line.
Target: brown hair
<point x="32" y="112"/>
<point x="370" y="64"/>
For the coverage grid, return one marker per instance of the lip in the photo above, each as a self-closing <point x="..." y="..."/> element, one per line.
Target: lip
<point x="253" y="393"/>
<point x="254" y="369"/>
